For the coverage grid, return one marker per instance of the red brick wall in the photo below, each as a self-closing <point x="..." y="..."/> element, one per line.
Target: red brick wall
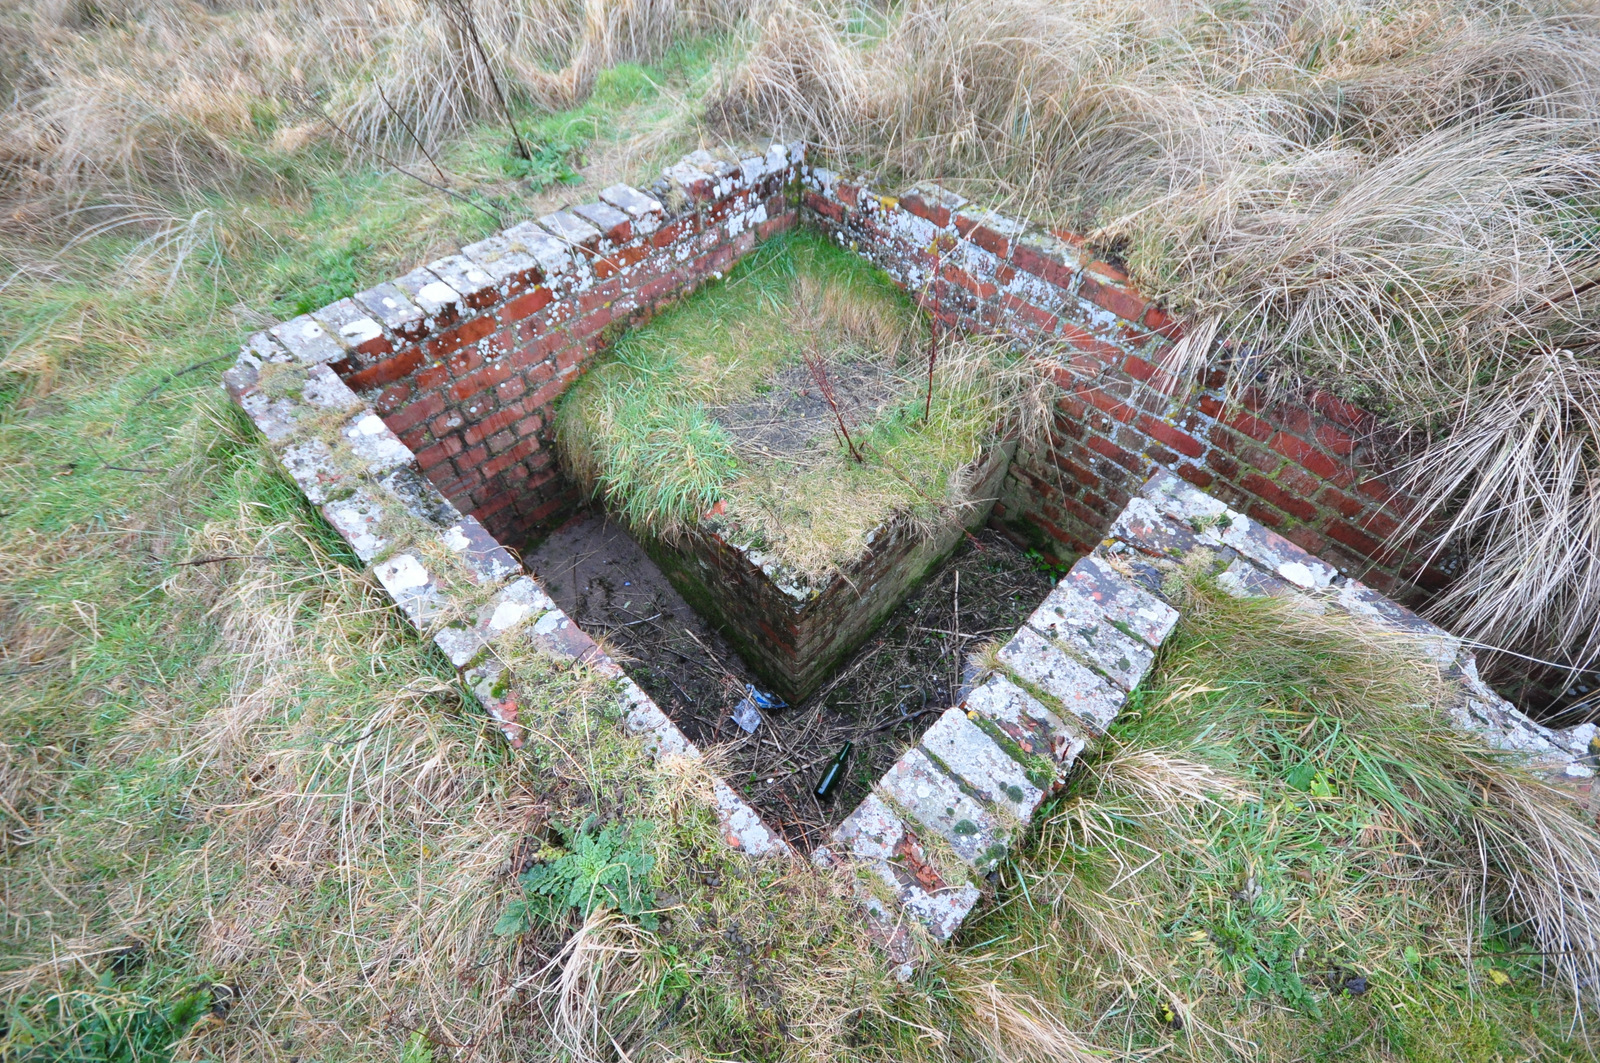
<point x="1308" y="467"/>
<point x="464" y="357"/>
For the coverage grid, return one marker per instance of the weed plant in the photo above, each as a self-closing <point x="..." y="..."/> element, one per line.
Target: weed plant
<point x="649" y="430"/>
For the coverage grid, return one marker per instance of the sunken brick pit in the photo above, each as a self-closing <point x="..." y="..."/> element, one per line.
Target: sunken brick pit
<point x="416" y="416"/>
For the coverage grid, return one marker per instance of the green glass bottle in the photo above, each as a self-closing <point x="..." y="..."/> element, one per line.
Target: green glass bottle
<point x="833" y="775"/>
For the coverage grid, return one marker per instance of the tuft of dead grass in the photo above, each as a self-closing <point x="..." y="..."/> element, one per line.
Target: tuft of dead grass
<point x="1396" y="200"/>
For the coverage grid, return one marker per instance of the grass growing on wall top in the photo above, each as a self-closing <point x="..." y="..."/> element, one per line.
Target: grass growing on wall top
<point x="656" y="428"/>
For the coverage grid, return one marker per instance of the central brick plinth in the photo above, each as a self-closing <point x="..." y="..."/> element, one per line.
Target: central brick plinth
<point x="794" y="632"/>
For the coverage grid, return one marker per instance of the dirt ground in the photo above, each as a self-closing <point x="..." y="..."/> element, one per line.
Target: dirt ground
<point x="787" y="418"/>
<point x="881" y="699"/>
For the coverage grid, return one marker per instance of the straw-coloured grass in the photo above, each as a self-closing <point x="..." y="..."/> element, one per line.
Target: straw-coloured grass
<point x="1395" y="199"/>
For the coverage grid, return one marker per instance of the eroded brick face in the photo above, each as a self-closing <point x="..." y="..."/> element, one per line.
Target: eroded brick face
<point x="1308" y="467"/>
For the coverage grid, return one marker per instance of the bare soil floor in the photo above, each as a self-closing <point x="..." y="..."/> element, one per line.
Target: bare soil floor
<point x="881" y="699"/>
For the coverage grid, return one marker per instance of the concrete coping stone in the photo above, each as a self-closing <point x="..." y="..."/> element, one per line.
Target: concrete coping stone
<point x="1143" y="526"/>
<point x="1073" y="686"/>
<point x="553" y="255"/>
<point x="1127" y="606"/>
<point x="469" y="280"/>
<point x="308" y="341"/>
<point x="349" y="324"/>
<point x="611" y="223"/>
<point x="1025" y="720"/>
<point x="379" y="449"/>
<point x="645" y="210"/>
<point x="438" y="301"/>
<point x="495" y="256"/>
<point x="416" y="493"/>
<point x="407" y="579"/>
<point x="310" y="464"/>
<point x="359" y="519"/>
<point x="390" y="306"/>
<point x="938" y="803"/>
<point x="1073" y="621"/>
<point x="1278" y="555"/>
<point x="516" y="603"/>
<point x="986" y="769"/>
<point x="570" y="229"/>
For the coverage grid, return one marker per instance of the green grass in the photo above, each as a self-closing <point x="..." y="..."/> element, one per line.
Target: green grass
<point x="643" y="430"/>
<point x="1280" y="817"/>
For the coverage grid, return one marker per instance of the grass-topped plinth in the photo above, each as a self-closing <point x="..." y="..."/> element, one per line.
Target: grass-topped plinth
<point x="797" y="449"/>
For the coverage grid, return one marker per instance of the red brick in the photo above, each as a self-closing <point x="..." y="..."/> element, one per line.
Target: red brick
<point x="1297" y="481"/>
<point x="486" y="510"/>
<point x="1334" y="441"/>
<point x="1264" y="514"/>
<point x="1172" y="437"/>
<point x="510" y="389"/>
<point x="526" y="305"/>
<point x="1103" y="270"/>
<point x="547" y="394"/>
<point x="408" y="417"/>
<point x="1306" y="456"/>
<point x="1306" y="539"/>
<point x="670" y="233"/>
<point x="387" y="371"/>
<point x="414" y="439"/>
<point x="468" y="332"/>
<point x="982" y="289"/>
<point x="818" y="205"/>
<point x="1158" y="453"/>
<point x="1109" y="403"/>
<point x="1104" y="354"/>
<point x="1195" y="475"/>
<point x="529" y="425"/>
<point x="1264" y="488"/>
<point x="1334" y="499"/>
<point x="1042" y="320"/>
<point x="916" y="204"/>
<point x="1210" y="405"/>
<point x="394" y="396"/>
<point x="482" y="380"/>
<point x="781" y="223"/>
<point x="1223" y="464"/>
<point x="431" y="457"/>
<point x="463" y="362"/>
<point x="1126" y="304"/>
<point x="1110" y="450"/>
<point x="1355" y="539"/>
<point x="590" y="324"/>
<point x="430" y="377"/>
<point x="1380" y="524"/>
<point x="983" y="236"/>
<point x="1032" y="261"/>
<point x="1254" y="427"/>
<point x="1340" y="411"/>
<point x="1156" y="377"/>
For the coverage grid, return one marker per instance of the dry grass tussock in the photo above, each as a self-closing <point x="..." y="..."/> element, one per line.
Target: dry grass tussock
<point x="115" y="98"/>
<point x="1395" y="197"/>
